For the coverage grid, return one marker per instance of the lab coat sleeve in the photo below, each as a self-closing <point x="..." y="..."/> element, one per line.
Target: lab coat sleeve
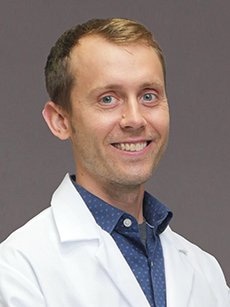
<point x="18" y="287"/>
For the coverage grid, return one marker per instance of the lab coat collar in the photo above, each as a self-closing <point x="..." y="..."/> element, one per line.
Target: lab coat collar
<point x="73" y="220"/>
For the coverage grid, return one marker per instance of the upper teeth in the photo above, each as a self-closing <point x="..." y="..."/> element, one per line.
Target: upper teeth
<point x="131" y="146"/>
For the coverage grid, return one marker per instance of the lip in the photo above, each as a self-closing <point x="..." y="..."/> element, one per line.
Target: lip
<point x="132" y="147"/>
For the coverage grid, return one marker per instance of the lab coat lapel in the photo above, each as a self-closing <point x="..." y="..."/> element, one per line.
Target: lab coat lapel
<point x="74" y="222"/>
<point x="179" y="273"/>
<point x="111" y="260"/>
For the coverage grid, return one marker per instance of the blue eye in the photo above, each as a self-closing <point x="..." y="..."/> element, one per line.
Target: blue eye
<point x="149" y="97"/>
<point x="107" y="99"/>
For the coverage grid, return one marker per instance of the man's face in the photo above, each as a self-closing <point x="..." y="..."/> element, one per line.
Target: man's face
<point x="120" y="116"/>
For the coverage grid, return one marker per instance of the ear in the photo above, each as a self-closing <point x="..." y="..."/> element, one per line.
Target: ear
<point x="57" y="120"/>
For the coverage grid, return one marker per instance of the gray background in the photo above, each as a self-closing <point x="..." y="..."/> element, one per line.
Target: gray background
<point x="193" y="178"/>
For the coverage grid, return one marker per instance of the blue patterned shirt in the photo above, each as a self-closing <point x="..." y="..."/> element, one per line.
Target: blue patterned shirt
<point x="139" y="244"/>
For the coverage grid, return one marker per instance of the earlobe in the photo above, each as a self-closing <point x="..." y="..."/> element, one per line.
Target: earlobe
<point x="57" y="120"/>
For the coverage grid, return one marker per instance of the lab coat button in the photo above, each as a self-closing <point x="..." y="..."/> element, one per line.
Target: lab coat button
<point x="127" y="222"/>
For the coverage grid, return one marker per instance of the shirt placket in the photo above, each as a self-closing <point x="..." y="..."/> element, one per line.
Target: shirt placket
<point x="128" y="227"/>
<point x="156" y="264"/>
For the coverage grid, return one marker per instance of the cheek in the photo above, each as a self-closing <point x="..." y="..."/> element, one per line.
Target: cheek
<point x="93" y="128"/>
<point x="101" y="123"/>
<point x="160" y="121"/>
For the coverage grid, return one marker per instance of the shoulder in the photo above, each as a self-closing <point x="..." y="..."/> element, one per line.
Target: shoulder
<point x="25" y="239"/>
<point x="203" y="263"/>
<point x="22" y="253"/>
<point x="196" y="254"/>
<point x="41" y="229"/>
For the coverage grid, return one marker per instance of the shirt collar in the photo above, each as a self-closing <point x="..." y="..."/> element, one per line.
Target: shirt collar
<point x="107" y="216"/>
<point x="155" y="213"/>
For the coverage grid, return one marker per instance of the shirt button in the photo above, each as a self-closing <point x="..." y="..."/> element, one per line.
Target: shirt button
<point x="127" y="222"/>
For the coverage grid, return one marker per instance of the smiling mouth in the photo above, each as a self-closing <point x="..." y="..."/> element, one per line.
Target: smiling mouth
<point x="131" y="147"/>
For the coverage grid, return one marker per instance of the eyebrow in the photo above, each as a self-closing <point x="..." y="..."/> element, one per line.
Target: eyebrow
<point x="106" y="87"/>
<point x="156" y="84"/>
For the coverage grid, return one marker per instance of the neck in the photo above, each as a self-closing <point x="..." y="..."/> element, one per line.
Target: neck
<point x="127" y="198"/>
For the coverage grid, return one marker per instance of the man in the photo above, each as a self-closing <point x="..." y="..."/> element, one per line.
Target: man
<point x="105" y="241"/>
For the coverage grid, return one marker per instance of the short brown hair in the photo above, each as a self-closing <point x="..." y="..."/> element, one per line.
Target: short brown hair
<point x="59" y="80"/>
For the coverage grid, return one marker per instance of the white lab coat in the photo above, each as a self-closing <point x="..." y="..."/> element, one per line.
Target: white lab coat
<point x="62" y="258"/>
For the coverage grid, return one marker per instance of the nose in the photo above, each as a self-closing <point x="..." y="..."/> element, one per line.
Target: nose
<point x="132" y="116"/>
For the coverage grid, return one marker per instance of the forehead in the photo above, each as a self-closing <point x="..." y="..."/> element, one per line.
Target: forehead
<point x="96" y="62"/>
<point x="93" y="48"/>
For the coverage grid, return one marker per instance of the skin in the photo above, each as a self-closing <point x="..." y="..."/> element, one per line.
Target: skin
<point x="119" y="121"/>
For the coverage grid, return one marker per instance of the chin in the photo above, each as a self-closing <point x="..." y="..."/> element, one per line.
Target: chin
<point x="134" y="180"/>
